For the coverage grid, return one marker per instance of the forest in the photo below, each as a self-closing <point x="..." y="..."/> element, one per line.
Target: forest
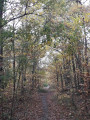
<point x="44" y="60"/>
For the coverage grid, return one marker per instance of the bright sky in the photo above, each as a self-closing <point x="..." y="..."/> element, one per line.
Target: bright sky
<point x="85" y="2"/>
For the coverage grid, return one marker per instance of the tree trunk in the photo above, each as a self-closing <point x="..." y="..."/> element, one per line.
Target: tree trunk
<point x="1" y="43"/>
<point x="74" y="73"/>
<point x="14" y="76"/>
<point x="33" y="71"/>
<point x="61" y="77"/>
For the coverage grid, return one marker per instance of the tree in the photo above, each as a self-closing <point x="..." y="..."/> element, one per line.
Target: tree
<point x="1" y="41"/>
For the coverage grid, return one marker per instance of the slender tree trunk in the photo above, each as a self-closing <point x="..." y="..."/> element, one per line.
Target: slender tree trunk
<point x="86" y="55"/>
<point x="14" y="75"/>
<point x="33" y="72"/>
<point x="85" y="41"/>
<point x="61" y="77"/>
<point x="33" y="77"/>
<point x="74" y="73"/>
<point x="1" y="54"/>
<point x="1" y="43"/>
<point x="19" y="77"/>
<point x="1" y="12"/>
<point x="22" y="82"/>
<point x="57" y="76"/>
<point x="23" y="73"/>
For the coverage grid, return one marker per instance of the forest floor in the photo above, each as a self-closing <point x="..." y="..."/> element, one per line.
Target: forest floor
<point x="41" y="105"/>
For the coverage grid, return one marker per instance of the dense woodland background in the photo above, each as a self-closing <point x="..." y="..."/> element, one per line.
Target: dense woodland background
<point x="45" y="42"/>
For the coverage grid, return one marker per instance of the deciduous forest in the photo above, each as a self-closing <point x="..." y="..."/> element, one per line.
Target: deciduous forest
<point x="44" y="60"/>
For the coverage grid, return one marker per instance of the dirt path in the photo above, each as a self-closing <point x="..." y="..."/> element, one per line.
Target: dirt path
<point x="44" y="106"/>
<point x="38" y="106"/>
<point x="50" y="107"/>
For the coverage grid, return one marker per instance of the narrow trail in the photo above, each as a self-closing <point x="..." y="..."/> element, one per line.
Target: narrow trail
<point x="48" y="107"/>
<point x="45" y="107"/>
